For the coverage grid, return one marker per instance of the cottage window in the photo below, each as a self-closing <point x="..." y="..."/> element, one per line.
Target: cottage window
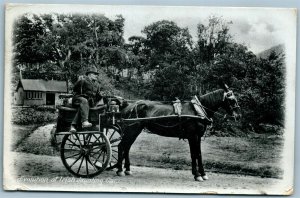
<point x="28" y="95"/>
<point x="34" y="95"/>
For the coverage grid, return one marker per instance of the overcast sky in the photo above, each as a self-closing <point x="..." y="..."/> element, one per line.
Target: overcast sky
<point x="257" y="28"/>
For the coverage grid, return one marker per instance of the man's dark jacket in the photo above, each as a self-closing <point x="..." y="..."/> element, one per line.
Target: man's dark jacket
<point x="88" y="89"/>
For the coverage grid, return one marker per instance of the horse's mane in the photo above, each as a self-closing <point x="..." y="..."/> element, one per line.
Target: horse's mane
<point x="211" y="99"/>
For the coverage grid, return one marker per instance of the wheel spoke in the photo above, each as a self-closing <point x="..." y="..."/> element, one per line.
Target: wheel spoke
<point x="90" y="136"/>
<point x="114" y="157"/>
<point x="78" y="138"/>
<point x="82" y="140"/>
<point x="72" y="155"/>
<point x="75" y="161"/>
<point x="112" y="135"/>
<point x="87" y="139"/>
<point x="87" y="167"/>
<point x="100" y="155"/>
<point x="69" y="149"/>
<point x="80" y="165"/>
<point x="97" y="138"/>
<point x="75" y="137"/>
<point x="95" y="152"/>
<point x="99" y="146"/>
<point x="115" y="140"/>
<point x="73" y="143"/>
<point x="97" y="158"/>
<point x="88" y="159"/>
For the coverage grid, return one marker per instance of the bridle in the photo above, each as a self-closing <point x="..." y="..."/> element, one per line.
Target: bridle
<point x="230" y="96"/>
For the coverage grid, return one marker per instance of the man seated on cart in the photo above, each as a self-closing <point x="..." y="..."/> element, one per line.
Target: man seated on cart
<point x="86" y="93"/>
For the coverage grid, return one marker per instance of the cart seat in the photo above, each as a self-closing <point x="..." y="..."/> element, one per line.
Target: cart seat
<point x="66" y="115"/>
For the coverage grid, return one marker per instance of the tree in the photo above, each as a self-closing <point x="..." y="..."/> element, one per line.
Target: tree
<point x="212" y="39"/>
<point x="27" y="32"/>
<point x="164" y="52"/>
<point x="169" y="82"/>
<point x="166" y="43"/>
<point x="68" y="43"/>
<point x="265" y="97"/>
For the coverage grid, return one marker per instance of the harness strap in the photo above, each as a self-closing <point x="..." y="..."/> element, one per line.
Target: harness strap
<point x="199" y="108"/>
<point x="177" y="107"/>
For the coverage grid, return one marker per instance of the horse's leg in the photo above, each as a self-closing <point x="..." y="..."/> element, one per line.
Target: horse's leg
<point x="127" y="163"/>
<point x="193" y="150"/>
<point x="137" y="131"/>
<point x="120" y="158"/>
<point x="130" y="135"/>
<point x="199" y="158"/>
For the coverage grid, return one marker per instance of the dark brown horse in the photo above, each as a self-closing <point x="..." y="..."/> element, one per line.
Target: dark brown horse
<point x="187" y="128"/>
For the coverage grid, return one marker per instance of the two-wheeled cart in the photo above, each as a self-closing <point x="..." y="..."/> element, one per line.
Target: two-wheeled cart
<point x="89" y="151"/>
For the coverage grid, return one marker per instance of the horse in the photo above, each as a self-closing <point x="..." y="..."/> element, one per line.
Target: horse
<point x="187" y="128"/>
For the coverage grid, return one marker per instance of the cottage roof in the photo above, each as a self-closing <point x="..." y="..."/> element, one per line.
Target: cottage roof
<point x="44" y="85"/>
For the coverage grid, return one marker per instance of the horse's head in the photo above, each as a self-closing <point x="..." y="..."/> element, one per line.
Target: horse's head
<point x="230" y="103"/>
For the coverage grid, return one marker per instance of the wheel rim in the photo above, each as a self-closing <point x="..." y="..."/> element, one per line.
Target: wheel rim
<point x="85" y="154"/>
<point x="114" y="137"/>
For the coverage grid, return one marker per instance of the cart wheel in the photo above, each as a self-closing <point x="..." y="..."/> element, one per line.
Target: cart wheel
<point x="85" y="154"/>
<point x="114" y="135"/>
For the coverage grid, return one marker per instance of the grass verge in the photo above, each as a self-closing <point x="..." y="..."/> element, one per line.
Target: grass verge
<point x="259" y="155"/>
<point x="20" y="133"/>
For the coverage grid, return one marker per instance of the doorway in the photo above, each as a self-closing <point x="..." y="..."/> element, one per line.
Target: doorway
<point x="50" y="98"/>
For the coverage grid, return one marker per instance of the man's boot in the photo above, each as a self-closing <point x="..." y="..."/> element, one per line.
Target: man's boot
<point x="86" y="124"/>
<point x="73" y="129"/>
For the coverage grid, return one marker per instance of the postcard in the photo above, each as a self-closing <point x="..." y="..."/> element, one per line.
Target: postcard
<point x="149" y="99"/>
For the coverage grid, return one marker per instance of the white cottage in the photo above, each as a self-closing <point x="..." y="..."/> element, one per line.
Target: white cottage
<point x="36" y="92"/>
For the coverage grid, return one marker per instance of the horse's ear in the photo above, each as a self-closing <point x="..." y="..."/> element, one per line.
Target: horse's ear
<point x="223" y="85"/>
<point x="226" y="87"/>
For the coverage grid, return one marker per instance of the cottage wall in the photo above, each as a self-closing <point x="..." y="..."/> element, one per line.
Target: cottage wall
<point x="42" y="101"/>
<point x="35" y="102"/>
<point x="19" y="97"/>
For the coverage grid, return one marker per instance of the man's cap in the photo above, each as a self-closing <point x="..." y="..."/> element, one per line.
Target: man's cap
<point x="92" y="69"/>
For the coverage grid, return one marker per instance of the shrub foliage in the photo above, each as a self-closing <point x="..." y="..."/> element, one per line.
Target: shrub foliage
<point x="25" y="116"/>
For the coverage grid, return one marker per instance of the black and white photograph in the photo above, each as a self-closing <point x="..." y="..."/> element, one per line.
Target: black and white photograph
<point x="149" y="99"/>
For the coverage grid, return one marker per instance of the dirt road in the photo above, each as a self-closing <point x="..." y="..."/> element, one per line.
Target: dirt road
<point x="41" y="172"/>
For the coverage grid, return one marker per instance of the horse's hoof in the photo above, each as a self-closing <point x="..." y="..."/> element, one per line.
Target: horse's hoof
<point x="128" y="173"/>
<point x="204" y="177"/>
<point x="120" y="173"/>
<point x="199" y="178"/>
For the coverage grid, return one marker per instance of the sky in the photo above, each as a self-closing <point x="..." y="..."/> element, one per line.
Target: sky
<point x="257" y="28"/>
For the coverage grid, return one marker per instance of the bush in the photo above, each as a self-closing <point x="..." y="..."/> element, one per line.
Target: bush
<point x="46" y="108"/>
<point x="32" y="116"/>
